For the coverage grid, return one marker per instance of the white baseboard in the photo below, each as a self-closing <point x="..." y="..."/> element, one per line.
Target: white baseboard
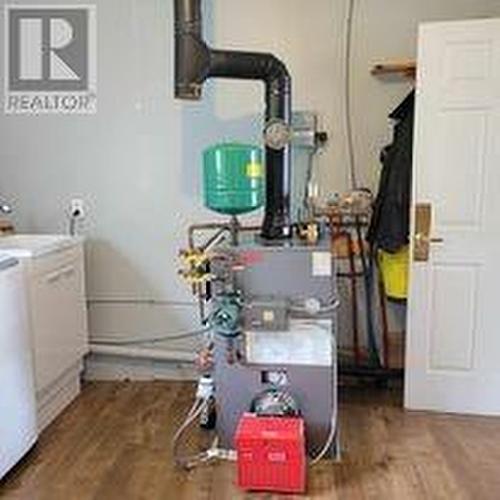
<point x="103" y="368"/>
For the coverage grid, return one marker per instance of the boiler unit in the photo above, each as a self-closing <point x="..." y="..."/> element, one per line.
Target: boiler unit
<point x="267" y="294"/>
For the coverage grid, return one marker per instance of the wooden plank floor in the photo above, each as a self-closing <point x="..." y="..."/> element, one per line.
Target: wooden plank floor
<point x="113" y="443"/>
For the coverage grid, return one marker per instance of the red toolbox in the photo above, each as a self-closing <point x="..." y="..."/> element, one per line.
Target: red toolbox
<point x="271" y="454"/>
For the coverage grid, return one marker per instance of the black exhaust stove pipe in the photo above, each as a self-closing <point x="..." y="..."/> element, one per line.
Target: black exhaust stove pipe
<point x="195" y="62"/>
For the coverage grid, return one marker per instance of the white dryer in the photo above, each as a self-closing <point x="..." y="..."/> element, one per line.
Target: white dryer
<point x="18" y="426"/>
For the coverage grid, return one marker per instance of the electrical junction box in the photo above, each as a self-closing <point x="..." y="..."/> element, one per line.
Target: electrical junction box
<point x="271" y="454"/>
<point x="270" y="315"/>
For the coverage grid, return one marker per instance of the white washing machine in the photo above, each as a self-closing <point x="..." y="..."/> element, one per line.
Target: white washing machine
<point x="18" y="427"/>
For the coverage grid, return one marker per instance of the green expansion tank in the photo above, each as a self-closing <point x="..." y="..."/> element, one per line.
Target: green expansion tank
<point x="233" y="178"/>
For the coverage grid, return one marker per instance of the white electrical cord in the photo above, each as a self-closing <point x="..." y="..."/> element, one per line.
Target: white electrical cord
<point x="194" y="413"/>
<point x="204" y="393"/>
<point x="147" y="340"/>
<point x="72" y="225"/>
<point x="334" y="419"/>
<point x="347" y="94"/>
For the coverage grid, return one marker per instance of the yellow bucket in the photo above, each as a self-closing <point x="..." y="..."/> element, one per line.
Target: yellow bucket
<point x="394" y="270"/>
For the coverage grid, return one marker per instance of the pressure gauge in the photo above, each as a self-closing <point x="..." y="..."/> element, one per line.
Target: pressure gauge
<point x="277" y="134"/>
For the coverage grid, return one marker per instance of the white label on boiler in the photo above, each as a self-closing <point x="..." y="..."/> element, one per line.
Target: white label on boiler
<point x="321" y="264"/>
<point x="307" y="343"/>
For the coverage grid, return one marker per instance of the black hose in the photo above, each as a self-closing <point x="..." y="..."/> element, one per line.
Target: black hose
<point x="367" y="267"/>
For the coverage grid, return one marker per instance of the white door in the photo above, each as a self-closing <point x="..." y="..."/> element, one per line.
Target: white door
<point x="453" y="345"/>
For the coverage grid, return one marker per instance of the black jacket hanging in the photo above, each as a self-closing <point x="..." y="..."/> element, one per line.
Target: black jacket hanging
<point x="390" y="224"/>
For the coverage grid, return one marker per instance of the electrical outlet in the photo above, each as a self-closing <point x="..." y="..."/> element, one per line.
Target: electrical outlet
<point x="77" y="208"/>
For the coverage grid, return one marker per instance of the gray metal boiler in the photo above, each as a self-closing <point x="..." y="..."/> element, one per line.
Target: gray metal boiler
<point x="287" y="296"/>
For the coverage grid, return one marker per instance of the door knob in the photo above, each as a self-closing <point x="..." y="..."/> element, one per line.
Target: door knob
<point x="422" y="239"/>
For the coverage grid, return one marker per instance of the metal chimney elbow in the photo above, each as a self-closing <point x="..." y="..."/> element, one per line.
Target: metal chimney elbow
<point x="192" y="56"/>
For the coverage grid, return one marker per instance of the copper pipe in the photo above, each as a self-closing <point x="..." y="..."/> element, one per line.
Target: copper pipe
<point x="210" y="226"/>
<point x="337" y="233"/>
<point x="354" y="298"/>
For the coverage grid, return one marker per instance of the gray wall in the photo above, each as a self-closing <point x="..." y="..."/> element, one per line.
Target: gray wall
<point x="136" y="163"/>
